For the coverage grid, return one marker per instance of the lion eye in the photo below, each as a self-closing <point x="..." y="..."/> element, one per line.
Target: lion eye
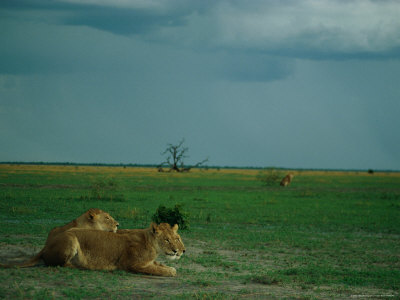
<point x="167" y="240"/>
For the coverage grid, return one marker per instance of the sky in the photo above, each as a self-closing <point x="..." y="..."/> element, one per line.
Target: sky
<point x="293" y="84"/>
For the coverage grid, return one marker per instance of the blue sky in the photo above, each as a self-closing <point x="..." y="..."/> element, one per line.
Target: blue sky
<point x="296" y="84"/>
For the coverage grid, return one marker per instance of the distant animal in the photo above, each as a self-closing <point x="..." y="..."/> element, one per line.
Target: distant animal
<point x="94" y="218"/>
<point x="287" y="179"/>
<point x="132" y="250"/>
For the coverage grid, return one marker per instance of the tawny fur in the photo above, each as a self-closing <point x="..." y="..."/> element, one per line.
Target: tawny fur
<point x="287" y="179"/>
<point x="133" y="250"/>
<point x="94" y="218"/>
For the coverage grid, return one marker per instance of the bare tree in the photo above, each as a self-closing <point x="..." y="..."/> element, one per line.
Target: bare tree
<point x="175" y="156"/>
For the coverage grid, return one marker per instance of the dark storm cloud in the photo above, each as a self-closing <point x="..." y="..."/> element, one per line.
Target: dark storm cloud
<point x="69" y="43"/>
<point x="122" y="21"/>
<point x="33" y="5"/>
<point x="125" y="19"/>
<point x="317" y="30"/>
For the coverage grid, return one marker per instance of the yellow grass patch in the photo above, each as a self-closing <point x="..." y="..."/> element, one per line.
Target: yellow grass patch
<point x="152" y="171"/>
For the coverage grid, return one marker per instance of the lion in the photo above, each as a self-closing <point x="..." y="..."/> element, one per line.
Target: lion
<point x="94" y="218"/>
<point x="132" y="250"/>
<point x="287" y="179"/>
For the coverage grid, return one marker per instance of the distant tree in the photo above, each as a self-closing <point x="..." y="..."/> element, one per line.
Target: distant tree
<point x="175" y="155"/>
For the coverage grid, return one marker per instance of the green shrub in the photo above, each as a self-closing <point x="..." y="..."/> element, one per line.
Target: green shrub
<point x="270" y="177"/>
<point x="171" y="216"/>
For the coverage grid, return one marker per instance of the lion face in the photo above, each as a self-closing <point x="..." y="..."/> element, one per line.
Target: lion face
<point x="168" y="240"/>
<point x="102" y="221"/>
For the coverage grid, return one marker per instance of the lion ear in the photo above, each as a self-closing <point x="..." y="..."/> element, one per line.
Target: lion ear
<point x="91" y="215"/>
<point x="175" y="228"/>
<point x="154" y="228"/>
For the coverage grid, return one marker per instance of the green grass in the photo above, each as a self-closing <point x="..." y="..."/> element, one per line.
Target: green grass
<point x="328" y="235"/>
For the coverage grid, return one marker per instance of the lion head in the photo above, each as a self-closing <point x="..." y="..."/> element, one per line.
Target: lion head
<point x="168" y="240"/>
<point x="101" y="220"/>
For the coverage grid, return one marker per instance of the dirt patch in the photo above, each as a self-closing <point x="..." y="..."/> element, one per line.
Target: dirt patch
<point x="194" y="279"/>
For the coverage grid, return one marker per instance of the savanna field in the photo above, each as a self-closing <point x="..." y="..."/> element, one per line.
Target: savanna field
<point x="329" y="235"/>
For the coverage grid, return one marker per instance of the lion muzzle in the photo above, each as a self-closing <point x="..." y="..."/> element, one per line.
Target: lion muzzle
<point x="175" y="254"/>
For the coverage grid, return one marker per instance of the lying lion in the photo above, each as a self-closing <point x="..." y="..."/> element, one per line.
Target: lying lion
<point x="133" y="250"/>
<point x="94" y="218"/>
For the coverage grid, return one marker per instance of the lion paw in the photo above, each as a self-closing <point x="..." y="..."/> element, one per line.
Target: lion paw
<point x="172" y="271"/>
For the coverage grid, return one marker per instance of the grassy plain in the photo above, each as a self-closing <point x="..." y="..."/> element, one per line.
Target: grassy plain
<point x="330" y="235"/>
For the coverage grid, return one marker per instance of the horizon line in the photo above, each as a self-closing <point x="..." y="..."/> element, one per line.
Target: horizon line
<point x="198" y="167"/>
